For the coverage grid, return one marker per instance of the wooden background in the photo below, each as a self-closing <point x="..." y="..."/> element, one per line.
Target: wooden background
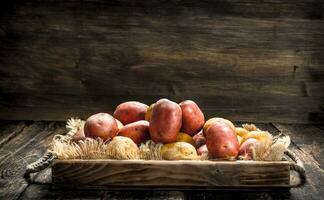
<point x="246" y="60"/>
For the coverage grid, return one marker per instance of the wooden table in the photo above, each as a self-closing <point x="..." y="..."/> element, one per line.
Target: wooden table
<point x="24" y="141"/>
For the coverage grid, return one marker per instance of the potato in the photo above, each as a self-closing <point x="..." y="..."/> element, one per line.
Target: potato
<point x="79" y="135"/>
<point x="101" y="125"/>
<point x="263" y="136"/>
<point x="148" y="113"/>
<point x="239" y="139"/>
<point x="221" y="141"/>
<point x="122" y="148"/>
<point x="218" y="119"/>
<point x="130" y="111"/>
<point x="202" y="150"/>
<point x="137" y="131"/>
<point x="246" y="148"/>
<point x="184" y="137"/>
<point x="242" y="132"/>
<point x="119" y="124"/>
<point x="179" y="151"/>
<point x="193" y="118"/>
<point x="199" y="139"/>
<point x="165" y="121"/>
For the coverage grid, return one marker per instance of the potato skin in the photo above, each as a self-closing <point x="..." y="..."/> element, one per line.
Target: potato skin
<point x="246" y="148"/>
<point x="130" y="111"/>
<point x="242" y="132"/>
<point x="193" y="118"/>
<point x="119" y="124"/>
<point x="101" y="125"/>
<point x="199" y="139"/>
<point x="184" y="137"/>
<point x="202" y="150"/>
<point x="148" y="113"/>
<point x="221" y="141"/>
<point x="137" y="131"/>
<point x="211" y="121"/>
<point x="79" y="135"/>
<point x="179" y="151"/>
<point x="165" y="121"/>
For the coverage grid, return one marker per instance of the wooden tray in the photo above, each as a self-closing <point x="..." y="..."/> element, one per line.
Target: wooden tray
<point x="173" y="174"/>
<point x="162" y="173"/>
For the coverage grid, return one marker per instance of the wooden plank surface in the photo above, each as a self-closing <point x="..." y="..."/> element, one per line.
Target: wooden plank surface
<point x="307" y="144"/>
<point x="252" y="60"/>
<point x="46" y="192"/>
<point x="308" y="138"/>
<point x="10" y="131"/>
<point x="25" y="147"/>
<point x="83" y="106"/>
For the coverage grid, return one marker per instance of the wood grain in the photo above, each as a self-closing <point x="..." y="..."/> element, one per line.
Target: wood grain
<point x="308" y="138"/>
<point x="251" y="60"/>
<point x="307" y="144"/>
<point x="171" y="173"/>
<point x="58" y="107"/>
<point x="36" y="191"/>
<point x="26" y="146"/>
<point x="10" y="131"/>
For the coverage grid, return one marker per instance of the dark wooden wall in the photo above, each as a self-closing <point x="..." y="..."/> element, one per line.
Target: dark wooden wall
<point x="248" y="60"/>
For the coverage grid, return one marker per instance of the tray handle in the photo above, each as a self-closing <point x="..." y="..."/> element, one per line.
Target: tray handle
<point x="39" y="165"/>
<point x="297" y="166"/>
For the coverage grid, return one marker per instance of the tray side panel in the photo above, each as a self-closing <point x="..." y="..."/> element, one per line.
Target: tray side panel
<point x="172" y="173"/>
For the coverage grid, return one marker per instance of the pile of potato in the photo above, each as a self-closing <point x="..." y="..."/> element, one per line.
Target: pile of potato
<point x="181" y="128"/>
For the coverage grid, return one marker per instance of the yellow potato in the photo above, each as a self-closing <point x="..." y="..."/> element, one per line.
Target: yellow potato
<point x="148" y="113"/>
<point x="242" y="132"/>
<point x="239" y="138"/>
<point x="179" y="151"/>
<point x="259" y="135"/>
<point x="122" y="148"/>
<point x="184" y="137"/>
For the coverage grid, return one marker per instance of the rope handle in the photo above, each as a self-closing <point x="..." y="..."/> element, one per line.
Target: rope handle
<point x="42" y="163"/>
<point x="297" y="166"/>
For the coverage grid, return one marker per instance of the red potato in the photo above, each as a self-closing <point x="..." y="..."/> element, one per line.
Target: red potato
<point x="165" y="121"/>
<point x="137" y="131"/>
<point x="221" y="141"/>
<point x="202" y="150"/>
<point x="246" y="148"/>
<point x="101" y="125"/>
<point x="130" y="111"/>
<point x="79" y="135"/>
<point x="193" y="118"/>
<point x="211" y="121"/>
<point x="199" y="139"/>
